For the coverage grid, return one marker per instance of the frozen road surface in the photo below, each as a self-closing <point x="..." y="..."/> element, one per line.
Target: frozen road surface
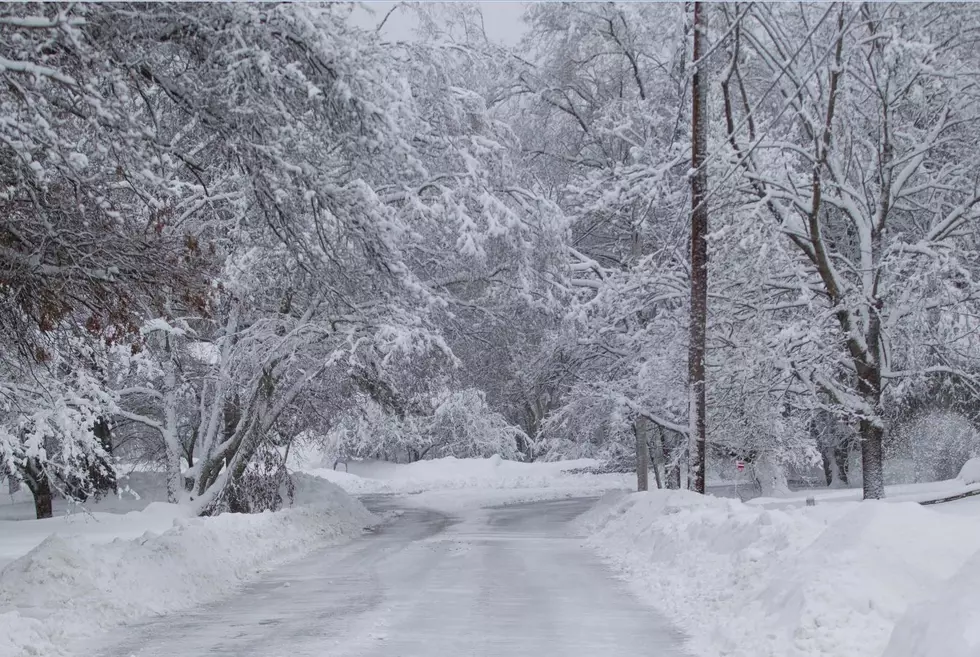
<point x="503" y="582"/>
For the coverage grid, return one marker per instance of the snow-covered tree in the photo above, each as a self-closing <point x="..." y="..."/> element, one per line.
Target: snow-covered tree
<point x="352" y="185"/>
<point x="853" y="129"/>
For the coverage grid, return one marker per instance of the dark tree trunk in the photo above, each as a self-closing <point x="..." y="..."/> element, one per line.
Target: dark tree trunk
<point x="656" y="471"/>
<point x="828" y="470"/>
<point x="232" y="416"/>
<point x="872" y="463"/>
<point x="39" y="484"/>
<point x="672" y="466"/>
<point x="102" y="474"/>
<point x="870" y="429"/>
<point x="43" y="501"/>
<point x="642" y="454"/>
<point x="842" y="454"/>
<point x="699" y="254"/>
<point x="103" y="432"/>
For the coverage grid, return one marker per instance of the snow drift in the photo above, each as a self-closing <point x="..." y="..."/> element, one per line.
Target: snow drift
<point x="451" y="473"/>
<point x="970" y="472"/>
<point x="947" y="625"/>
<point x="69" y="588"/>
<point x="831" y="580"/>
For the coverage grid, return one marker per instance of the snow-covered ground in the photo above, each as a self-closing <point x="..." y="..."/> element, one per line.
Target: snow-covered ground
<point x="770" y="578"/>
<point x="138" y="489"/>
<point x="448" y="483"/>
<point x="505" y="582"/>
<point x="69" y="578"/>
<point x="75" y="576"/>
<point x="833" y="580"/>
<point x="896" y="493"/>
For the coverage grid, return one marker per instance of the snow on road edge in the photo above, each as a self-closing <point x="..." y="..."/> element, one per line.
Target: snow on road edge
<point x="831" y="580"/>
<point x="68" y="589"/>
<point x="487" y="474"/>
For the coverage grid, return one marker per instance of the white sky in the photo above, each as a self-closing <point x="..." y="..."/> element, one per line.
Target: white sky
<point x="501" y="20"/>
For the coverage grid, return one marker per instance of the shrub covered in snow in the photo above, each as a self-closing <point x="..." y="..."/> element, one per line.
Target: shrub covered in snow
<point x="456" y="423"/>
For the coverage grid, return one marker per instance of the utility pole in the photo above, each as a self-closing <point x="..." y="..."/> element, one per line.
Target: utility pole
<point x="699" y="254"/>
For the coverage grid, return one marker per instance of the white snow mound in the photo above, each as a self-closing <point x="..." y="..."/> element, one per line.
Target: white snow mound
<point x="948" y="625"/>
<point x="67" y="588"/>
<point x="451" y="473"/>
<point x="831" y="580"/>
<point x="970" y="472"/>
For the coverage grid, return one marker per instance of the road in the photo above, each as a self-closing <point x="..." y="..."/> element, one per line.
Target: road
<point x="504" y="582"/>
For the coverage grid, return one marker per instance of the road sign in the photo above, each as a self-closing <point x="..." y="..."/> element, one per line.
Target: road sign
<point x="740" y="465"/>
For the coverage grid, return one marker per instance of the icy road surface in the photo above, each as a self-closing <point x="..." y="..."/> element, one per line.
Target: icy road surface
<point x="502" y="582"/>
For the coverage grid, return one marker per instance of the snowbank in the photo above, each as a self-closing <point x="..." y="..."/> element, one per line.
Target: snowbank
<point x="970" y="472"/>
<point x="831" y="580"/>
<point x="968" y="481"/>
<point x="947" y="625"/>
<point x="71" y="587"/>
<point x="18" y="537"/>
<point x="457" y="474"/>
<point x="99" y="521"/>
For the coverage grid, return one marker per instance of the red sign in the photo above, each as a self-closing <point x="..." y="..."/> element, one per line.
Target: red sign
<point x="740" y="465"/>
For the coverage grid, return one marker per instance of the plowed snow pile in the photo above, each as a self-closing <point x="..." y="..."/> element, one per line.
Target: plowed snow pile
<point x="452" y="474"/>
<point x="831" y="580"/>
<point x="69" y="588"/>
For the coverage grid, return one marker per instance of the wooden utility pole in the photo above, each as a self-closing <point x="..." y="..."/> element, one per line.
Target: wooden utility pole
<point x="699" y="253"/>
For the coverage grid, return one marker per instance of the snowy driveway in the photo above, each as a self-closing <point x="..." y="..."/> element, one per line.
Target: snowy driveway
<point x="500" y="582"/>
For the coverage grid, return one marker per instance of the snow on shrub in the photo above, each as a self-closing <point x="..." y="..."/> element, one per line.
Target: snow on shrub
<point x="464" y="426"/>
<point x="458" y="423"/>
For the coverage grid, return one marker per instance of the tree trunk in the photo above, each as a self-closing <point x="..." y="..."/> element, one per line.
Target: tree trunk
<point x="872" y="463"/>
<point x="37" y="481"/>
<point x="43" y="499"/>
<point x="103" y="432"/>
<point x="175" y="482"/>
<point x="232" y="416"/>
<point x="102" y="473"/>
<point x="171" y="439"/>
<point x="699" y="255"/>
<point x="828" y="468"/>
<point x="656" y="455"/>
<point x="532" y="422"/>
<point x="672" y="465"/>
<point x="40" y="486"/>
<point x="842" y="454"/>
<point x="641" y="431"/>
<point x="870" y="429"/>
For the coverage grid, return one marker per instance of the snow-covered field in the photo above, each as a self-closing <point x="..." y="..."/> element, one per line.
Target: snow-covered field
<point x="833" y="580"/>
<point x="450" y="484"/>
<point x="923" y="492"/>
<point x="770" y="578"/>
<point x="73" y="577"/>
<point x="129" y="515"/>
<point x="89" y="568"/>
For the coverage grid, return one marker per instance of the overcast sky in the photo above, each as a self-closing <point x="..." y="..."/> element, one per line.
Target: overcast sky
<point x="502" y="20"/>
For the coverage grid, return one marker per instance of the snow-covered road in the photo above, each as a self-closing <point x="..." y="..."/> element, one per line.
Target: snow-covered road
<point x="500" y="582"/>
